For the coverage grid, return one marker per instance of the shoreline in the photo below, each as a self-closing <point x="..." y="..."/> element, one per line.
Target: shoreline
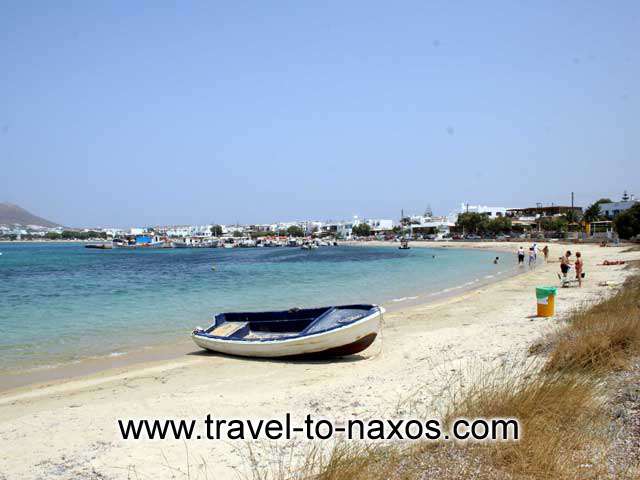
<point x="423" y="349"/>
<point x="48" y="375"/>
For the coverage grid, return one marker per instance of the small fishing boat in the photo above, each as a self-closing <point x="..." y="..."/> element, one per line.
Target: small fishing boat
<point x="327" y="331"/>
<point x="101" y="246"/>
<point x="404" y="245"/>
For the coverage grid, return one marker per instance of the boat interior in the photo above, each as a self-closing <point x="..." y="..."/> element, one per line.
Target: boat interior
<point x="286" y="323"/>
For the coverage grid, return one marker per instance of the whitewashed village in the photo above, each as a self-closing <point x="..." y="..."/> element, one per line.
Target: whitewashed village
<point x="596" y="222"/>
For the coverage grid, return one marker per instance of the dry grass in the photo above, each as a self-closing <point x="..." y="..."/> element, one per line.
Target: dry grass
<point x="561" y="420"/>
<point x="560" y="415"/>
<point x="560" y="406"/>
<point x="602" y="338"/>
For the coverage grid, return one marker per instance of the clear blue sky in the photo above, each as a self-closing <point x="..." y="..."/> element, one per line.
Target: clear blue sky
<point x="124" y="113"/>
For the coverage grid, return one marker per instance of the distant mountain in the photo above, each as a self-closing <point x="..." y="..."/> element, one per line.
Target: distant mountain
<point x="14" y="215"/>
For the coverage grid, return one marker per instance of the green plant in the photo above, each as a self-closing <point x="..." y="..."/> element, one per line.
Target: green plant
<point x="627" y="223"/>
<point x="361" y="230"/>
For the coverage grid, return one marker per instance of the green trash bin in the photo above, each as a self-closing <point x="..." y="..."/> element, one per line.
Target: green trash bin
<point x="546" y="297"/>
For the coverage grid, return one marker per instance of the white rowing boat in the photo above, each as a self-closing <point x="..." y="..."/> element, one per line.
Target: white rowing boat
<point x="329" y="331"/>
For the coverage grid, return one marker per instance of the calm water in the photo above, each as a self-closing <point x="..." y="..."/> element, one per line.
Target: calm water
<point x="63" y="302"/>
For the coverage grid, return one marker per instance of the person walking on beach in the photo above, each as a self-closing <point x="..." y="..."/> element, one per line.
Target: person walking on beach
<point x="578" y="264"/>
<point x="532" y="257"/>
<point x="545" y="252"/>
<point x="520" y="255"/>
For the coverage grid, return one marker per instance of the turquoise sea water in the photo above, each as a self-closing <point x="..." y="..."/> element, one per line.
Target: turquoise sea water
<point x="63" y="302"/>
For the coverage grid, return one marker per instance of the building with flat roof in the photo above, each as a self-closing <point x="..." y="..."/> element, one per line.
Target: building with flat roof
<point x="540" y="211"/>
<point x="491" y="212"/>
<point x="612" y="209"/>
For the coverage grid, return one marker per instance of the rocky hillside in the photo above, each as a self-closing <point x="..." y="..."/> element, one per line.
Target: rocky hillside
<point x="14" y="215"/>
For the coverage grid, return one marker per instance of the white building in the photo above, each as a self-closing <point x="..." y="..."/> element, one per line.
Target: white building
<point x="610" y="210"/>
<point x="379" y="225"/>
<point x="342" y="230"/>
<point x="231" y="229"/>
<point x="438" y="226"/>
<point x="491" y="212"/>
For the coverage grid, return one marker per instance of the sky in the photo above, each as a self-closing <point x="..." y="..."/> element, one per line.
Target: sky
<point x="123" y="113"/>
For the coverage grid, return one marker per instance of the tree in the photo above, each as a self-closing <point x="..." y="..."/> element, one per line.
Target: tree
<point x="472" y="222"/>
<point x="295" y="231"/>
<point x="52" y="236"/>
<point x="554" y="224"/>
<point x="627" y="223"/>
<point x="237" y="234"/>
<point x="260" y="234"/>
<point x="361" y="230"/>
<point x="216" y="230"/>
<point x="499" y="225"/>
<point x="593" y="213"/>
<point x="572" y="216"/>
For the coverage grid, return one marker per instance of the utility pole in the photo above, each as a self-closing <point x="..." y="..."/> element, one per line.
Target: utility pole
<point x="539" y="205"/>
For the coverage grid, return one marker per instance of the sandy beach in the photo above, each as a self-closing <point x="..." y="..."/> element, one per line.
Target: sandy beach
<point x="68" y="429"/>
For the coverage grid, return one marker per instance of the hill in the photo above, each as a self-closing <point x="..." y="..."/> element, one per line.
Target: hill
<point x="14" y="215"/>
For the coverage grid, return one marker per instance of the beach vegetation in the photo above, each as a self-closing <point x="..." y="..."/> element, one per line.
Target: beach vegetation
<point x="572" y="216"/>
<point x="499" y="225"/>
<point x="73" y="235"/>
<point x="472" y="222"/>
<point x="593" y="212"/>
<point x="361" y="230"/>
<point x="216" y="230"/>
<point x="603" y="337"/>
<point x="554" y="224"/>
<point x="627" y="223"/>
<point x="295" y="231"/>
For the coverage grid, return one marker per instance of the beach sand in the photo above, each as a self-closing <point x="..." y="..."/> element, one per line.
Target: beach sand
<point x="68" y="429"/>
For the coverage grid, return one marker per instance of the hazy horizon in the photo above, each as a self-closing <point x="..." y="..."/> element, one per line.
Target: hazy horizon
<point x="120" y="114"/>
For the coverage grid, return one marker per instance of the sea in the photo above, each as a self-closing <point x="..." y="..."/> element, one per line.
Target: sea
<point x="62" y="303"/>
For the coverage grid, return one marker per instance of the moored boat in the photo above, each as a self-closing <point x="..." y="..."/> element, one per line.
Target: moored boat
<point x="327" y="331"/>
<point x="101" y="246"/>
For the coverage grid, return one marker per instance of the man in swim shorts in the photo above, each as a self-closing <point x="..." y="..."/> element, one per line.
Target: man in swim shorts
<point x="565" y="263"/>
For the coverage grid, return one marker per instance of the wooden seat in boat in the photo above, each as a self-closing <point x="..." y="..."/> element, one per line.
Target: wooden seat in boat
<point x="227" y="329"/>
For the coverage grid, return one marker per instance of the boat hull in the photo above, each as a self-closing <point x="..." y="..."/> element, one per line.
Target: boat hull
<point x="347" y="340"/>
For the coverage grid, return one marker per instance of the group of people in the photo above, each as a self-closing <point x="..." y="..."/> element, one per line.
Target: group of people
<point x="533" y="254"/>
<point x="578" y="265"/>
<point x="566" y="261"/>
